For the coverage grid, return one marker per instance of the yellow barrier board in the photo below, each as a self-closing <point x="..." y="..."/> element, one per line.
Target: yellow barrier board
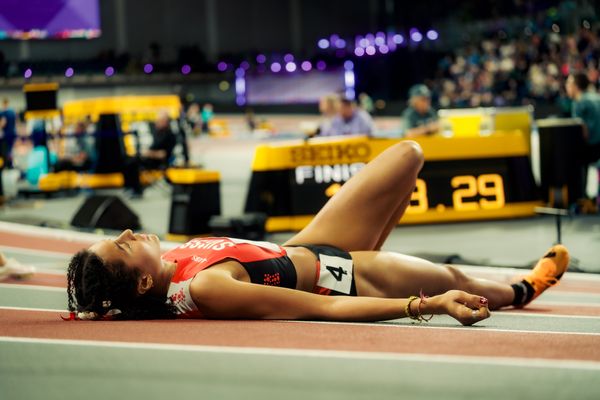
<point x="130" y="108"/>
<point x="189" y="176"/>
<point x="320" y="151"/>
<point x="93" y="181"/>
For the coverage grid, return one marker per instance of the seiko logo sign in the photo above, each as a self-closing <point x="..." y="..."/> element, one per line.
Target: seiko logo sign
<point x="331" y="154"/>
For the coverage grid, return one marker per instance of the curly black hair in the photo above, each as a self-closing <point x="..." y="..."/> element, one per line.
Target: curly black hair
<point x="97" y="286"/>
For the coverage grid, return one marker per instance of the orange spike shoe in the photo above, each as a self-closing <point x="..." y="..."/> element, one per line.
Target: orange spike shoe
<point x="548" y="270"/>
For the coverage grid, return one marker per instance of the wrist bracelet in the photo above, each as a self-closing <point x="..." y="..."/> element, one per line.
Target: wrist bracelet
<point x="407" y="308"/>
<point x="420" y="316"/>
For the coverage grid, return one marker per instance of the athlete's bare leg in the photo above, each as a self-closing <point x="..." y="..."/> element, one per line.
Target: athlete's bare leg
<point x="387" y="274"/>
<point x="367" y="207"/>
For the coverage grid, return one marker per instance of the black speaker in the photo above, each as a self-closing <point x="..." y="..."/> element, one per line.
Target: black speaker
<point x="562" y="163"/>
<point x="192" y="206"/>
<point x="250" y="226"/>
<point x="106" y="212"/>
<point x="110" y="148"/>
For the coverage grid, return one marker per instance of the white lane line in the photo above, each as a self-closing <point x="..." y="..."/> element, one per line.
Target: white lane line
<point x="338" y="354"/>
<point x="84" y="238"/>
<point x="526" y="314"/>
<point x="476" y="328"/>
<point x="569" y="276"/>
<point x="32" y="287"/>
<point x="28" y="251"/>
<point x="32" y="309"/>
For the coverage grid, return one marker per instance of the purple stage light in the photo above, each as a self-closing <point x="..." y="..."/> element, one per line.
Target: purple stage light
<point x="349" y="79"/>
<point x="261" y="58"/>
<point x="323" y="44"/>
<point x="186" y="69"/>
<point x="383" y="49"/>
<point x="28" y="73"/>
<point x="370" y="50"/>
<point x="109" y="71"/>
<point x="398" y="38"/>
<point x="370" y="38"/>
<point x="69" y="72"/>
<point x="321" y="65"/>
<point x="348" y="65"/>
<point x="359" y="52"/>
<point x="380" y="41"/>
<point x="340" y="43"/>
<point x="364" y="43"/>
<point x="148" y="68"/>
<point x="222" y="66"/>
<point x="240" y="72"/>
<point x="416" y="36"/>
<point x="290" y="67"/>
<point x="306" y="66"/>
<point x="275" y="67"/>
<point x="288" y="58"/>
<point x="432" y="35"/>
<point x="245" y="65"/>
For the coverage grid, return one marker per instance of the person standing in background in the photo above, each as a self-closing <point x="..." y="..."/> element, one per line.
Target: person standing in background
<point x="207" y="115"/>
<point x="8" y="121"/>
<point x="419" y="119"/>
<point x="586" y="106"/>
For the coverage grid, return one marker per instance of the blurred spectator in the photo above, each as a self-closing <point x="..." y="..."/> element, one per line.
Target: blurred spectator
<point x="419" y="119"/>
<point x="586" y="105"/>
<point x="157" y="156"/>
<point x="329" y="106"/>
<point x="159" y="153"/>
<point x="79" y="154"/>
<point x="366" y="102"/>
<point x="350" y="120"/>
<point x="193" y="118"/>
<point x="8" y="121"/>
<point x="207" y="115"/>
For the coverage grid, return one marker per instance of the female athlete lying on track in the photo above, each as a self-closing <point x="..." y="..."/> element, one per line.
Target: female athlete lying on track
<point x="332" y="270"/>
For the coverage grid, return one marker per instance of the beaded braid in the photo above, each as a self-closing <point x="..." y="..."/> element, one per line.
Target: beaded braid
<point x="95" y="286"/>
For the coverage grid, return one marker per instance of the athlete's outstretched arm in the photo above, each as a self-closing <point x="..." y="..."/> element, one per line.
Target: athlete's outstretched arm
<point x="220" y="296"/>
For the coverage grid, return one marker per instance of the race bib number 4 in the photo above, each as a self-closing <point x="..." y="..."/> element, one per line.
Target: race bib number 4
<point x="336" y="273"/>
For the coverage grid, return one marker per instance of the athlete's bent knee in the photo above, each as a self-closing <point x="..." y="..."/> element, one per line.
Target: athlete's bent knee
<point x="459" y="279"/>
<point x="413" y="151"/>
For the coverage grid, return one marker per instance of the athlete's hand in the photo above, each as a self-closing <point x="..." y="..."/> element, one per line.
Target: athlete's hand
<point x="464" y="307"/>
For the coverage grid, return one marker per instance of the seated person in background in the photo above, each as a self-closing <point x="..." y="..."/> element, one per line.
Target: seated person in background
<point x="160" y="151"/>
<point x="328" y="107"/>
<point x="80" y="154"/>
<point x="350" y="120"/>
<point x="157" y="156"/>
<point x="419" y="119"/>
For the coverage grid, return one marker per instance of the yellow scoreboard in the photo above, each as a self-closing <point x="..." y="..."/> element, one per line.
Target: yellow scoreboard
<point x="464" y="178"/>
